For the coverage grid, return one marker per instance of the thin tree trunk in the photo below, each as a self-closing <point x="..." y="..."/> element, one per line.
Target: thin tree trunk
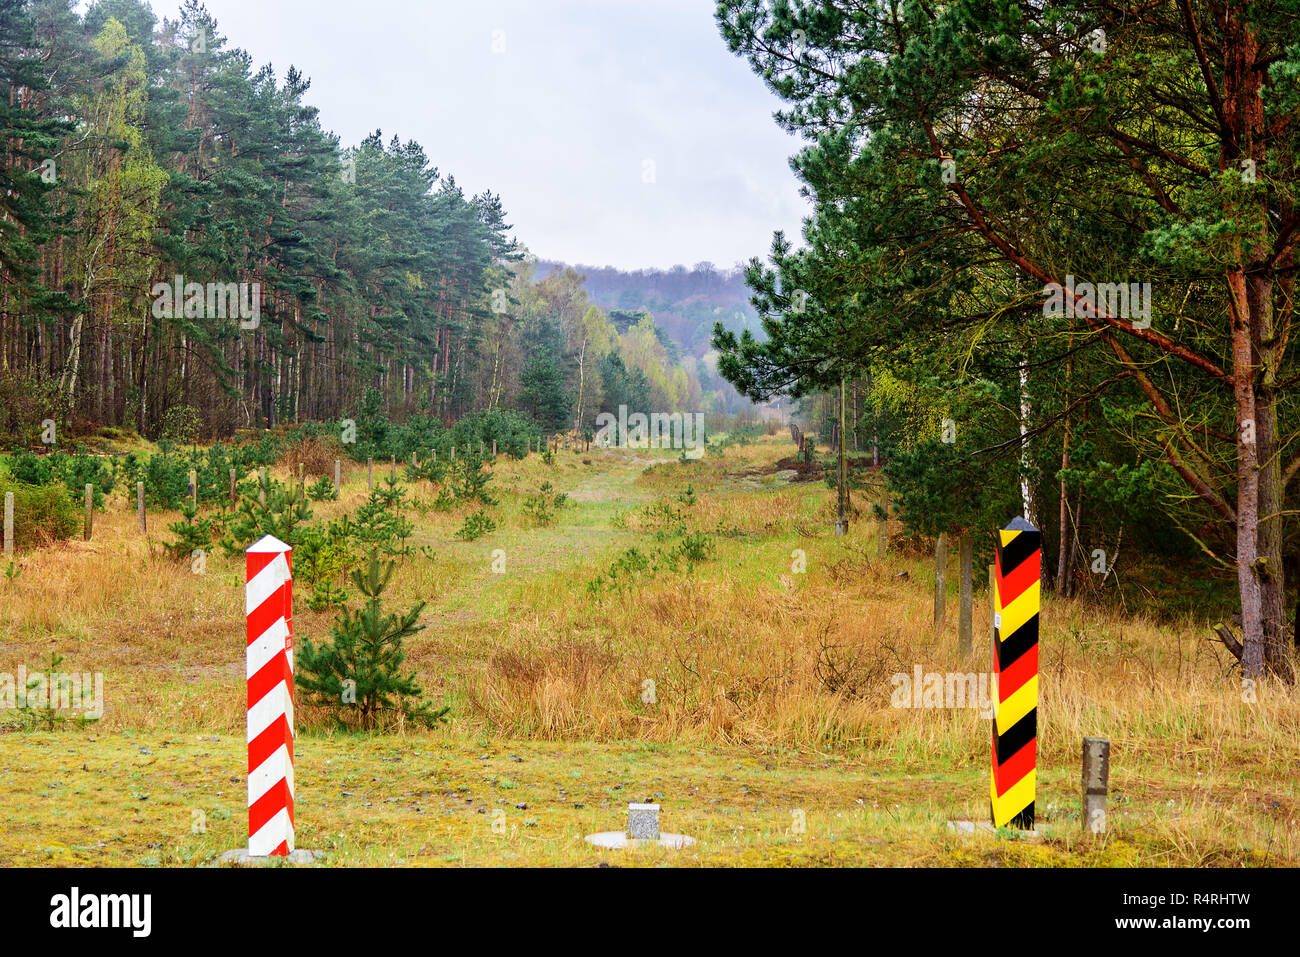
<point x="1025" y="412"/>
<point x="68" y="382"/>
<point x="1272" y="576"/>
<point x="841" y="521"/>
<point x="1064" y="538"/>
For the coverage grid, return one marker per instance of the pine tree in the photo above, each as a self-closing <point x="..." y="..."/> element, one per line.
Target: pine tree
<point x="284" y="515"/>
<point x="193" y="534"/>
<point x="543" y="393"/>
<point x="359" y="673"/>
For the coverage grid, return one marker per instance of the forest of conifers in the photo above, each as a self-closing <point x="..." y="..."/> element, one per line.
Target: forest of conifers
<point x="1059" y="241"/>
<point x="145" y="163"/>
<point x="181" y="238"/>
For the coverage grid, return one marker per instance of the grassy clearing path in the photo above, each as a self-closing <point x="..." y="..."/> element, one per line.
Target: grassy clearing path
<point x="583" y="531"/>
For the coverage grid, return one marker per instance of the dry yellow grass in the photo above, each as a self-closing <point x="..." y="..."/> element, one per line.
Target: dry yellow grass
<point x="745" y="651"/>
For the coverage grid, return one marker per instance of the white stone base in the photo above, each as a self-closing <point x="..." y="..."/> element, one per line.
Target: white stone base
<point x="984" y="827"/>
<point x="241" y="858"/>
<point x="618" y="840"/>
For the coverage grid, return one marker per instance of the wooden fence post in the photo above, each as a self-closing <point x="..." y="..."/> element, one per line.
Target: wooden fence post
<point x="993" y="605"/>
<point x="139" y="505"/>
<point x="232" y="488"/>
<point x="90" y="511"/>
<point x="261" y="486"/>
<point x="338" y="474"/>
<point x="9" y="524"/>
<point x="940" y="578"/>
<point x="967" y="585"/>
<point x="370" y="474"/>
<point x="194" y="488"/>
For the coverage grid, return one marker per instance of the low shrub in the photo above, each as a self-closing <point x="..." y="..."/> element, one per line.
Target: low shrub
<point x="316" y="454"/>
<point x="476" y="526"/>
<point x="43" y="514"/>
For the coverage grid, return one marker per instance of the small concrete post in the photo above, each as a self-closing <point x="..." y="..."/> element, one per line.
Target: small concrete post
<point x="643" y="822"/>
<point x="413" y="460"/>
<point x="1096" y="780"/>
<point x="194" y="488"/>
<point x="139" y="505"/>
<point x="301" y="467"/>
<point x="453" y="452"/>
<point x="940" y="578"/>
<point x="232" y="488"/>
<point x="966" y="550"/>
<point x="261" y="486"/>
<point x="338" y="475"/>
<point x="392" y="467"/>
<point x="90" y="511"/>
<point x="370" y="474"/>
<point x="480" y="446"/>
<point x="494" y="448"/>
<point x="9" y="524"/>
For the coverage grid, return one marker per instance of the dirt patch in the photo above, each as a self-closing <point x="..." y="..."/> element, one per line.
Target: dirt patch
<point x="803" y="471"/>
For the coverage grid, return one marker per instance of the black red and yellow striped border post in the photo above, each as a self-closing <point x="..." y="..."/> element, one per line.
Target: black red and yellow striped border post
<point x="1015" y="661"/>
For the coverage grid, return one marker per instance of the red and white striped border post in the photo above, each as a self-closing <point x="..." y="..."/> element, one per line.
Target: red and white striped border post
<point x="268" y="601"/>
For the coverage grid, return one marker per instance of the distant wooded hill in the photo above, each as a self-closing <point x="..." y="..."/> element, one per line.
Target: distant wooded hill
<point x="685" y="302"/>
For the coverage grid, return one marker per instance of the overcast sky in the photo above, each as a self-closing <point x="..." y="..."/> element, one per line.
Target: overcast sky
<point x="564" y="122"/>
